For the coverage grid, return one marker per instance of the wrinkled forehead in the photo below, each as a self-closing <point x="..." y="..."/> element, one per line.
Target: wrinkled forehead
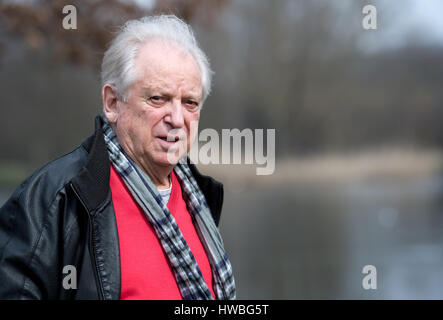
<point x="162" y="60"/>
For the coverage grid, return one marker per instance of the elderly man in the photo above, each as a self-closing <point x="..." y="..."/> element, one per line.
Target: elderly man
<point x="125" y="215"/>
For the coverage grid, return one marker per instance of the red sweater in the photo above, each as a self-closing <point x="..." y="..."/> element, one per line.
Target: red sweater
<point x="145" y="270"/>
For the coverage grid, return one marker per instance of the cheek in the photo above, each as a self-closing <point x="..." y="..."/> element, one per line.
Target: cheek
<point x="192" y="134"/>
<point x="192" y="125"/>
<point x="140" y="131"/>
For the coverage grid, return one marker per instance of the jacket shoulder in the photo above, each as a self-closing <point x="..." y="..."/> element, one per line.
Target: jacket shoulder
<point x="29" y="235"/>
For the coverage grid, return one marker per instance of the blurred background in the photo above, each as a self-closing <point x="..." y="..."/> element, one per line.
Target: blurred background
<point x="357" y="113"/>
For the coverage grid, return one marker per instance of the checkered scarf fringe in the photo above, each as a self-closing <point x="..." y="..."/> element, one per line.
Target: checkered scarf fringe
<point x="184" y="266"/>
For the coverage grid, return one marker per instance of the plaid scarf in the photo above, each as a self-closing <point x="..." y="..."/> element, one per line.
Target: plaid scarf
<point x="184" y="266"/>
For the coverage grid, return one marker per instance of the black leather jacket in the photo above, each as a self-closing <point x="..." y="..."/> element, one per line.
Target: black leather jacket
<point x="63" y="215"/>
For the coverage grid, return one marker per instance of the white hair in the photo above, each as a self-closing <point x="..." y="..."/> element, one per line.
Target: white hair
<point x="118" y="61"/>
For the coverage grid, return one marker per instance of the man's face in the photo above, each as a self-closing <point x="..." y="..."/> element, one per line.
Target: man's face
<point x="164" y="100"/>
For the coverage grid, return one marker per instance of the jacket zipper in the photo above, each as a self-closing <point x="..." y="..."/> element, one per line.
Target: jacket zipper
<point x="91" y="251"/>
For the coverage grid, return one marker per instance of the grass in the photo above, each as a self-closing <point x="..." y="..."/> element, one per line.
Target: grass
<point x="12" y="174"/>
<point x="335" y="168"/>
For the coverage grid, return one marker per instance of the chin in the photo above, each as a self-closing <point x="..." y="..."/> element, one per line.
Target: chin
<point x="167" y="160"/>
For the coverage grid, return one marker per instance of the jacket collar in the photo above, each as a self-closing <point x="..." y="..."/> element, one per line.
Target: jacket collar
<point x="92" y="183"/>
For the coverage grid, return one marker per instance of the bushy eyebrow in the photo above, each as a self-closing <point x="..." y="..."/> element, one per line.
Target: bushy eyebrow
<point x="191" y="97"/>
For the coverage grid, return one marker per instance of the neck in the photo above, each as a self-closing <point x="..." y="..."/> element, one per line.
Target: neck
<point x="159" y="175"/>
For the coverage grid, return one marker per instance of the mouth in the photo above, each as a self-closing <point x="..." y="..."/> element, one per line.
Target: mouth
<point x="170" y="140"/>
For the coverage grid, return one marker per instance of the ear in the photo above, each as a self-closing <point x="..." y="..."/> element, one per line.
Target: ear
<point x="110" y="100"/>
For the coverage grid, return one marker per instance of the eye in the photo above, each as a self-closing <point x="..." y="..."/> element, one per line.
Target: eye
<point x="191" y="105"/>
<point x="157" y="100"/>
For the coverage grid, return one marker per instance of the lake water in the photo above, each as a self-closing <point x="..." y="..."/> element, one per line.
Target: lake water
<point x="312" y="241"/>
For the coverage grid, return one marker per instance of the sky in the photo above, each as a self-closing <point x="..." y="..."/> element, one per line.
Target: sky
<point x="426" y="16"/>
<point x="402" y="22"/>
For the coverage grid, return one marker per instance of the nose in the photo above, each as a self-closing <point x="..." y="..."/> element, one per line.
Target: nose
<point x="175" y="115"/>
